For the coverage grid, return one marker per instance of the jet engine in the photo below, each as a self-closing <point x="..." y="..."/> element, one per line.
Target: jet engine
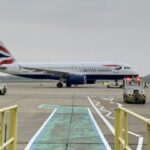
<point x="76" y="79"/>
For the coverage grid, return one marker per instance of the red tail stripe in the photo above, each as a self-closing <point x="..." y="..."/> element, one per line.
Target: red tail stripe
<point x="4" y="49"/>
<point x="9" y="61"/>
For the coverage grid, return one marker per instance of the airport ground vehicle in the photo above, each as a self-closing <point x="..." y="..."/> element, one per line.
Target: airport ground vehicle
<point x="133" y="91"/>
<point x="3" y="89"/>
<point x="109" y="85"/>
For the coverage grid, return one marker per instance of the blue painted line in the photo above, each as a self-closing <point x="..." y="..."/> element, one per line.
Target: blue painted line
<point x="38" y="134"/>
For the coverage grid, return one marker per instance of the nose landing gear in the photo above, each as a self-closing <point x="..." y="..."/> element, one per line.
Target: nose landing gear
<point x="116" y="83"/>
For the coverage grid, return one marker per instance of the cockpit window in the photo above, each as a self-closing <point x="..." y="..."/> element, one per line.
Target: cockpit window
<point x="127" y="67"/>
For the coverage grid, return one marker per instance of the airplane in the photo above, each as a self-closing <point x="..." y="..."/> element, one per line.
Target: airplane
<point x="69" y="73"/>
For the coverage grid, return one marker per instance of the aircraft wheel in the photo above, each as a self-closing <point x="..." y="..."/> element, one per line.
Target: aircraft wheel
<point x="68" y="85"/>
<point x="59" y="85"/>
<point x="121" y="86"/>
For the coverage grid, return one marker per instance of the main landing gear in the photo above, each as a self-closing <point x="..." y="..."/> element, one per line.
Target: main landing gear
<point x="59" y="84"/>
<point x="68" y="85"/>
<point x="116" y="83"/>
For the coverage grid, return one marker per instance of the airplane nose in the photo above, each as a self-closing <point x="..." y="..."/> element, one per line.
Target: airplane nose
<point x="135" y="73"/>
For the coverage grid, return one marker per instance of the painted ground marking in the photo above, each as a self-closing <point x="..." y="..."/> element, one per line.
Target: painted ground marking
<point x="102" y="108"/>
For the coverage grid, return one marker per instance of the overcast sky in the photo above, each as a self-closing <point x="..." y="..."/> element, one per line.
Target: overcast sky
<point x="78" y="30"/>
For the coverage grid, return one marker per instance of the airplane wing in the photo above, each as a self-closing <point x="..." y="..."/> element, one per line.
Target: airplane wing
<point x="50" y="72"/>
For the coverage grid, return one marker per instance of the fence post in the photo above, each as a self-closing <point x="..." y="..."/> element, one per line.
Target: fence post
<point x="126" y="128"/>
<point x="148" y="135"/>
<point x="13" y="128"/>
<point x="2" y="129"/>
<point x="118" y="128"/>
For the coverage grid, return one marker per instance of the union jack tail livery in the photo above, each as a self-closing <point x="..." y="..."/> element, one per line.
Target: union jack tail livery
<point x="5" y="55"/>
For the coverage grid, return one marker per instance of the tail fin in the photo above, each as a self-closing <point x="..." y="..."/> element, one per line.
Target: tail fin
<point x="5" y="55"/>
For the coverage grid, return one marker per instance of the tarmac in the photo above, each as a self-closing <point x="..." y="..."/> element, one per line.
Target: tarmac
<point x="83" y="120"/>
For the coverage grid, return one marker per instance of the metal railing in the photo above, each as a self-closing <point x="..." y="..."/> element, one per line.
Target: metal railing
<point x="121" y="128"/>
<point x="11" y="112"/>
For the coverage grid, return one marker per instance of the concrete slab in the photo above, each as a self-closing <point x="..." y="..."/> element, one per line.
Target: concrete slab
<point x="69" y="128"/>
<point x="86" y="147"/>
<point x="49" y="147"/>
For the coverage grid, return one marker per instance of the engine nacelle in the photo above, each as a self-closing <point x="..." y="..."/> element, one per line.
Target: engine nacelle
<point x="76" y="79"/>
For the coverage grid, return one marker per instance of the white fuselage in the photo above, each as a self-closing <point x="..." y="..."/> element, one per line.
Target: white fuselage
<point x="95" y="70"/>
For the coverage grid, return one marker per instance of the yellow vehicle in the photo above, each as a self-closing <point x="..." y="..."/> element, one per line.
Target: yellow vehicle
<point x="133" y="91"/>
<point x="109" y="85"/>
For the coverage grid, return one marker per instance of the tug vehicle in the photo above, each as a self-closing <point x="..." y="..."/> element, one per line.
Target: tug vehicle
<point x="133" y="91"/>
<point x="3" y="89"/>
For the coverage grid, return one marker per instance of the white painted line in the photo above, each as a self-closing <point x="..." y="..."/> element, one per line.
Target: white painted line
<point x="108" y="116"/>
<point x="133" y="134"/>
<point x="141" y="139"/>
<point x="97" y="103"/>
<point x="39" y="131"/>
<point x="140" y="143"/>
<point x="110" y="99"/>
<point x="99" y="131"/>
<point x="102" y="117"/>
<point x="42" y="105"/>
<point x="119" y="105"/>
